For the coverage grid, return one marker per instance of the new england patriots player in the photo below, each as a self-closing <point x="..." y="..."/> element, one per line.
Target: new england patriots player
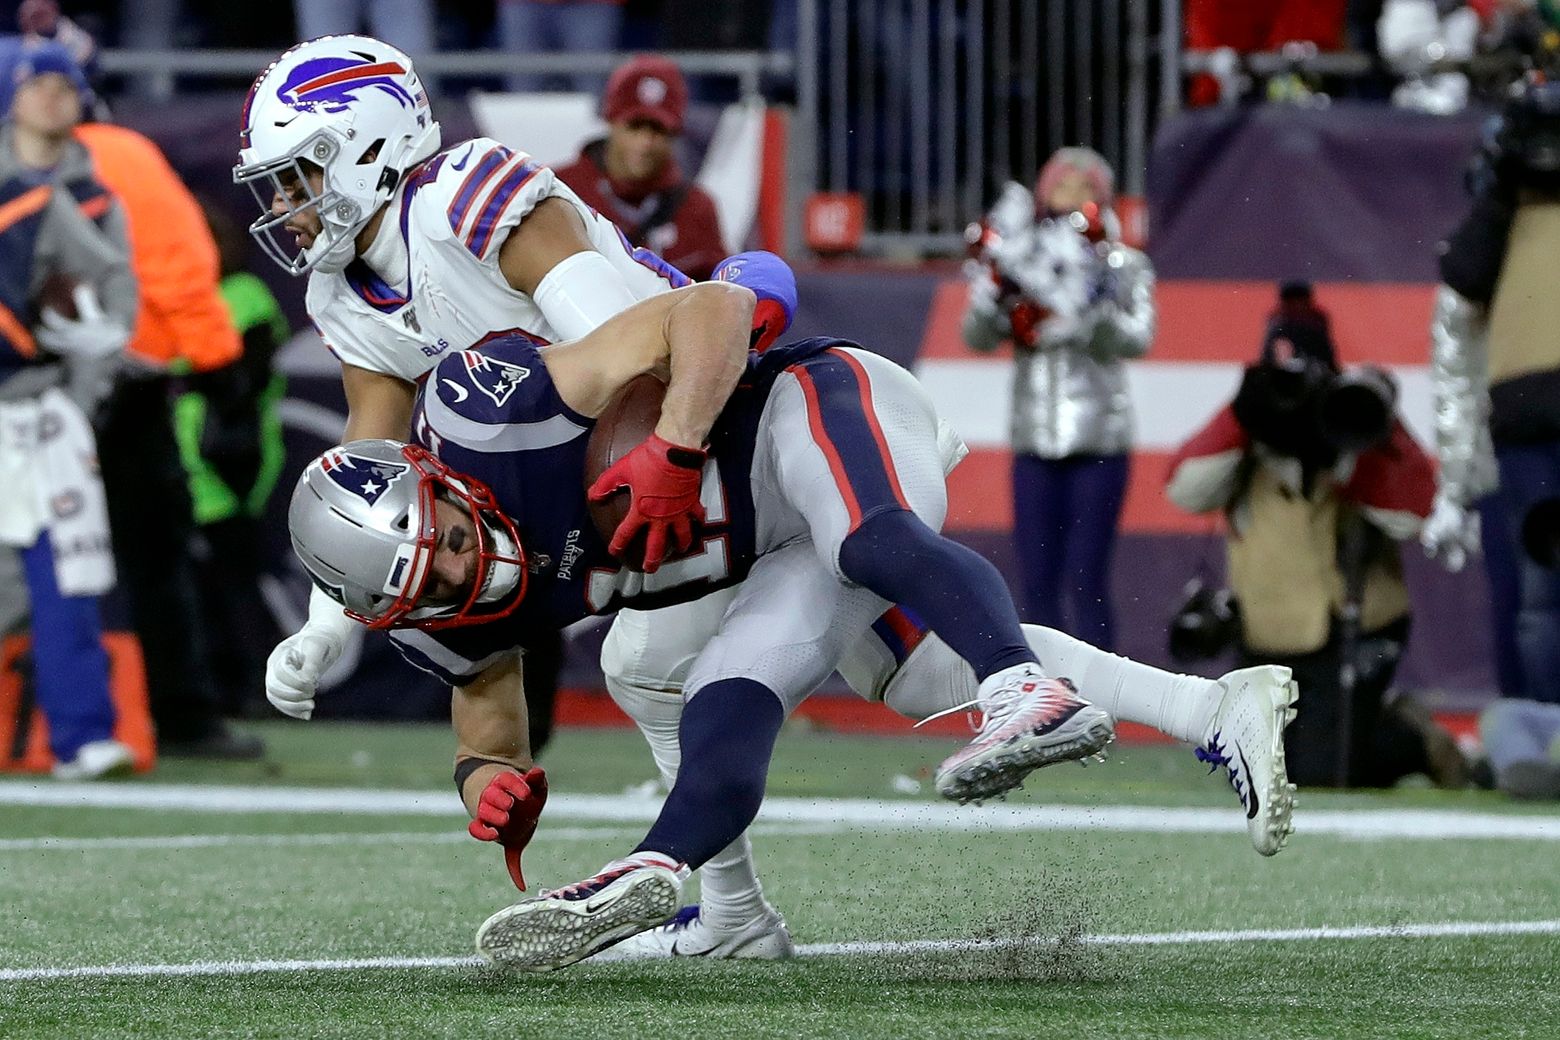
<point x="820" y="492"/>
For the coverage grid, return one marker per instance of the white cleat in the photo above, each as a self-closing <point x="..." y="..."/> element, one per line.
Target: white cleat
<point x="1246" y="737"/>
<point x="556" y="929"/>
<point x="96" y="760"/>
<point x="765" y="938"/>
<point x="1029" y="721"/>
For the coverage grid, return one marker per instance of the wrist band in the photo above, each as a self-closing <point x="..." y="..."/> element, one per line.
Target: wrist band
<point x="466" y="766"/>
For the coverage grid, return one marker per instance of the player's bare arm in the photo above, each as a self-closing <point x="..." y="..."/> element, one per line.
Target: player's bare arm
<point x="489" y="717"/>
<point x="378" y="405"/>
<point x="694" y="339"/>
<point x="550" y="233"/>
<point x="502" y="790"/>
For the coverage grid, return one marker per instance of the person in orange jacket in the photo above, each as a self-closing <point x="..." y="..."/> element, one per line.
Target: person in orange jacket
<point x="183" y="333"/>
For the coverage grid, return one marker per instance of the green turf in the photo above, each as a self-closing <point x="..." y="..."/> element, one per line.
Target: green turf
<point x="359" y="898"/>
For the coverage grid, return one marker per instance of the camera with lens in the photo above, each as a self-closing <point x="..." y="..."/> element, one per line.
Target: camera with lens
<point x="1296" y="401"/>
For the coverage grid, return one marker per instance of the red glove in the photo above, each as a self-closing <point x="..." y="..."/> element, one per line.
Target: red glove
<point x="663" y="481"/>
<point x="507" y="813"/>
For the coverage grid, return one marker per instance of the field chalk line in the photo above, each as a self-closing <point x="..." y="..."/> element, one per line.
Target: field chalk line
<point x="866" y="813"/>
<point x="1447" y="929"/>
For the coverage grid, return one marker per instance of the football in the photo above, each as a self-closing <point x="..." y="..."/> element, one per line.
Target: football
<point x="627" y="423"/>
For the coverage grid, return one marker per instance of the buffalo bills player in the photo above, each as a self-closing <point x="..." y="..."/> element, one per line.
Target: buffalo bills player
<point x="820" y="491"/>
<point x="413" y="252"/>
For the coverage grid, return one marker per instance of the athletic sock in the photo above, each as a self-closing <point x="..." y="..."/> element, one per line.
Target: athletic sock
<point x="728" y="733"/>
<point x="1181" y="706"/>
<point x="730" y="895"/>
<point x="952" y="588"/>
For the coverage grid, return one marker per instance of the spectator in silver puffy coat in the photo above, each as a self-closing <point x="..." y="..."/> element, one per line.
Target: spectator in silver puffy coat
<point x="1052" y="276"/>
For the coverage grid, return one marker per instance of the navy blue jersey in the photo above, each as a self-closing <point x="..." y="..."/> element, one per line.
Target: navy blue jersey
<point x="495" y="415"/>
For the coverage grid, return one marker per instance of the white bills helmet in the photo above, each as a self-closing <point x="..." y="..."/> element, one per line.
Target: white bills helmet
<point x="350" y="106"/>
<point x="362" y="522"/>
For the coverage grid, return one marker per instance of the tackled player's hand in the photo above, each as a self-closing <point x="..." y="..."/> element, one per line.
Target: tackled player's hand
<point x="663" y="481"/>
<point x="507" y="812"/>
<point x="295" y="667"/>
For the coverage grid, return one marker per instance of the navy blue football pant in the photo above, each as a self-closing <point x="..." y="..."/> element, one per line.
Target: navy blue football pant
<point x="1065" y="514"/>
<point x="70" y="666"/>
<point x="1502" y="567"/>
<point x="1530" y="473"/>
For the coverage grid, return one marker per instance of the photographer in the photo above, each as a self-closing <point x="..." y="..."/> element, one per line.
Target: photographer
<point x="1050" y="274"/>
<point x="1495" y="361"/>
<point x="1319" y="480"/>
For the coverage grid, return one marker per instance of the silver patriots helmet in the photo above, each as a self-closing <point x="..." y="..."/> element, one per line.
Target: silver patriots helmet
<point x="362" y="522"/>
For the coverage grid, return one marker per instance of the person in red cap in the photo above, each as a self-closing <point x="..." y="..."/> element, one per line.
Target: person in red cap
<point x="632" y="177"/>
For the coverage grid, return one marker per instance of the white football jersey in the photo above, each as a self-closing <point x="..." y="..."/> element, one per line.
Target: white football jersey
<point x="448" y="220"/>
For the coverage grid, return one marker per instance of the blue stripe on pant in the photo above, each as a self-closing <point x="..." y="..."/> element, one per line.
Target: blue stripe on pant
<point x="839" y="412"/>
<point x="70" y="666"/>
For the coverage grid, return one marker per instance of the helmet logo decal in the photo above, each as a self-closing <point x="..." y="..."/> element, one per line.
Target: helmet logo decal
<point x="497" y="379"/>
<point x="332" y="84"/>
<point x="366" y="478"/>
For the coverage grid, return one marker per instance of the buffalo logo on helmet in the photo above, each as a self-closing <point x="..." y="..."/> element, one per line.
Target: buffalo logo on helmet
<point x="332" y="84"/>
<point x="498" y="380"/>
<point x="366" y="478"/>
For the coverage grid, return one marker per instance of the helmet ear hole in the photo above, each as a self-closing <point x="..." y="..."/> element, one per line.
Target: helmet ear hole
<point x="371" y="152"/>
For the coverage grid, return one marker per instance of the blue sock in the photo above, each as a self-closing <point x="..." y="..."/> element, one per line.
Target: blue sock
<point x="952" y="588"/>
<point x="727" y="734"/>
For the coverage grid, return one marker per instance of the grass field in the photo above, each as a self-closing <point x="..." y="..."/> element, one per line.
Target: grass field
<point x="1430" y="914"/>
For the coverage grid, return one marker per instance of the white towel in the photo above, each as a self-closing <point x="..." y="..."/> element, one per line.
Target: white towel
<point x="49" y="481"/>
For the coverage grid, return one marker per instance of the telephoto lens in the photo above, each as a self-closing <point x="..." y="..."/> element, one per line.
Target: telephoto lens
<point x="1356" y="408"/>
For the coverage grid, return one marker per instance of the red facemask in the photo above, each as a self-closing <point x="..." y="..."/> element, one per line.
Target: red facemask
<point x="435" y="480"/>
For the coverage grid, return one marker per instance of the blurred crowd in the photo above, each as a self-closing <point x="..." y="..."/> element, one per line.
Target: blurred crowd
<point x="1428" y="55"/>
<point x="420" y="27"/>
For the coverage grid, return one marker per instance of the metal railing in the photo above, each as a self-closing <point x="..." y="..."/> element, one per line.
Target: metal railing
<point x="159" y="70"/>
<point x="924" y="107"/>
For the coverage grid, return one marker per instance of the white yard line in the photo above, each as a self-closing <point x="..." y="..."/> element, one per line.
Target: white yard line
<point x="1447" y="929"/>
<point x="218" y="841"/>
<point x="844" y="813"/>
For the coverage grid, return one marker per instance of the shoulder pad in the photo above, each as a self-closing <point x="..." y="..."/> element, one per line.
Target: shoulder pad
<point x="484" y="185"/>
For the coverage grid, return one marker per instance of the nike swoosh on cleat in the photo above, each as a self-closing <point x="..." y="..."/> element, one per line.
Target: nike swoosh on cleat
<point x="591" y="906"/>
<point x="1251" y="787"/>
<point x="678" y="953"/>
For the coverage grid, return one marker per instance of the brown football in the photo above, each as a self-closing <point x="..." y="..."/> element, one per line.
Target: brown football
<point x="627" y="423"/>
<point x="58" y="294"/>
